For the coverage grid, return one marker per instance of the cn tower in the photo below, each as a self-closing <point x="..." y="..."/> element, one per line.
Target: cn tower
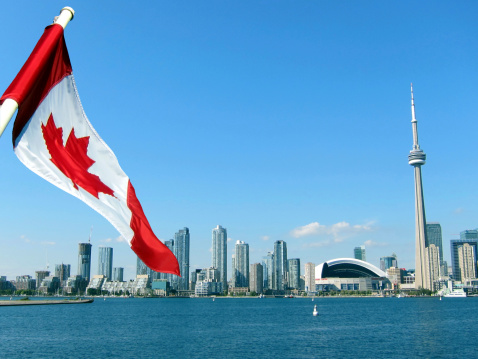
<point x="417" y="158"/>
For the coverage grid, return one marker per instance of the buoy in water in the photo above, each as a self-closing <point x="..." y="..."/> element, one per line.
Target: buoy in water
<point x="315" y="312"/>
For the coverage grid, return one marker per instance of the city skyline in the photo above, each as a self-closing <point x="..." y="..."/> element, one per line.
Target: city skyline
<point x="291" y="128"/>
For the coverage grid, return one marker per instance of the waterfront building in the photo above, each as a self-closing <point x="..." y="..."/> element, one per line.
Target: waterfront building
<point x="25" y="282"/>
<point x="62" y="271"/>
<point x="105" y="262"/>
<point x="434" y="236"/>
<point x="417" y="158"/>
<point x="97" y="282"/>
<point x="181" y="251"/>
<point x="160" y="287"/>
<point x="268" y="270"/>
<point x="309" y="277"/>
<point x="49" y="284"/>
<point x="280" y="266"/>
<point x="141" y="285"/>
<point x="207" y="287"/>
<point x="455" y="246"/>
<point x="432" y="255"/>
<point x="74" y="284"/>
<point x="241" y="265"/>
<point x="466" y="259"/>
<point x="387" y="262"/>
<point x="40" y="275"/>
<point x="349" y="274"/>
<point x="84" y="260"/>
<point x="256" y="283"/>
<point x="359" y="253"/>
<point x="118" y="273"/>
<point x="293" y="267"/>
<point x="219" y="253"/>
<point x="395" y="275"/>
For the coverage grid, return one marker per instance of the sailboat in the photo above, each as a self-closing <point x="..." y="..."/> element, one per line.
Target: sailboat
<point x="315" y="312"/>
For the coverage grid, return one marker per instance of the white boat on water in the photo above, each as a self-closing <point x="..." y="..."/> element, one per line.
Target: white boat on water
<point x="457" y="293"/>
<point x="315" y="312"/>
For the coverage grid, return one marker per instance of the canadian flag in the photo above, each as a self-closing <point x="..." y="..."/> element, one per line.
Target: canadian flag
<point x="53" y="137"/>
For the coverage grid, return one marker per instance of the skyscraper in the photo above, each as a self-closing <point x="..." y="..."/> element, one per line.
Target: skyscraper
<point x="466" y="257"/>
<point x="268" y="268"/>
<point x="219" y="253"/>
<point x="310" y="277"/>
<point x="84" y="260"/>
<point x="62" y="271"/>
<point x="105" y="262"/>
<point x="181" y="251"/>
<point x="141" y="268"/>
<point x="359" y="253"/>
<point x="241" y="264"/>
<point x="434" y="236"/>
<point x="417" y="158"/>
<point x="294" y="273"/>
<point x="118" y="274"/>
<point x="280" y="266"/>
<point x="460" y="258"/>
<point x="256" y="283"/>
<point x="388" y="262"/>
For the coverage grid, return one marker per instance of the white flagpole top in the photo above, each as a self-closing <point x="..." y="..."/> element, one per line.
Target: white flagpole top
<point x="7" y="110"/>
<point x="9" y="106"/>
<point x="66" y="14"/>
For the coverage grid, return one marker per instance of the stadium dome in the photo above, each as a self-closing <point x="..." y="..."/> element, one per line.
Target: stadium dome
<point x="347" y="268"/>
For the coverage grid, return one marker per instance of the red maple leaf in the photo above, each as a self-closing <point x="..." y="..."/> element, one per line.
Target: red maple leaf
<point x="72" y="159"/>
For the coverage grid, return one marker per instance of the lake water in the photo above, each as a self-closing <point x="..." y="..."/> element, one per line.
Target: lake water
<point x="243" y="328"/>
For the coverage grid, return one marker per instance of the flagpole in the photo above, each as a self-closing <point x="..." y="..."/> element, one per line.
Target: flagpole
<point x="9" y="106"/>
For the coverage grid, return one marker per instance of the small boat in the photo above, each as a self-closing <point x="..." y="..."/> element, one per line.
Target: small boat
<point x="315" y="312"/>
<point x="440" y="297"/>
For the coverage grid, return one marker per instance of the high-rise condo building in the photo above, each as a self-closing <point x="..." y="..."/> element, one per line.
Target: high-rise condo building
<point x="359" y="253"/>
<point x="241" y="265"/>
<point x="434" y="236"/>
<point x="62" y="271"/>
<point x="432" y="255"/>
<point x="293" y="266"/>
<point x="417" y="158"/>
<point x="280" y="266"/>
<point x="181" y="251"/>
<point x="84" y="260"/>
<point x="105" y="262"/>
<point x="118" y="273"/>
<point x="310" y="277"/>
<point x="256" y="278"/>
<point x="268" y="270"/>
<point x="219" y="253"/>
<point x="466" y="258"/>
<point x="463" y="253"/>
<point x="388" y="262"/>
<point x="40" y="275"/>
<point x="141" y="268"/>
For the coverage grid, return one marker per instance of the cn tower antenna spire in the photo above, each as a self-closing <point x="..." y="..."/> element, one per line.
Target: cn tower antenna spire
<point x="417" y="159"/>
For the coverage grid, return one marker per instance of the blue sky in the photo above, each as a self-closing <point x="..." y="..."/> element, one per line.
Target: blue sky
<point x="279" y="120"/>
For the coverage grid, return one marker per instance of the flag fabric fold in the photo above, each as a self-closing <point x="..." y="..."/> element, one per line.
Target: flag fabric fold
<point x="53" y="137"/>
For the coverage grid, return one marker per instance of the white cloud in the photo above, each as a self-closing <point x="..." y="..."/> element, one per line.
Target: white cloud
<point x="265" y="238"/>
<point x="307" y="230"/>
<point x="339" y="231"/>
